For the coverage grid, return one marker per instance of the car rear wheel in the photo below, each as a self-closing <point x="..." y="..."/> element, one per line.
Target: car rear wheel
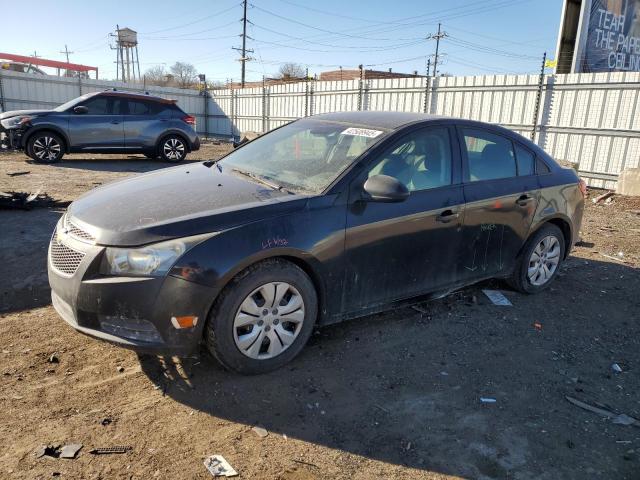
<point x="263" y="318"/>
<point x="539" y="261"/>
<point x="45" y="147"/>
<point x="173" y="149"/>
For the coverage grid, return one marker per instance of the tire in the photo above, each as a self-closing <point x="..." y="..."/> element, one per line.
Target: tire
<point x="238" y="322"/>
<point x="542" y="272"/>
<point x="173" y="149"/>
<point x="45" y="147"/>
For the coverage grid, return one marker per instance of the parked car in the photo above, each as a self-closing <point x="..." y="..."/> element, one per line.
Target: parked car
<point x="330" y="217"/>
<point x="20" y="67"/>
<point x="103" y="122"/>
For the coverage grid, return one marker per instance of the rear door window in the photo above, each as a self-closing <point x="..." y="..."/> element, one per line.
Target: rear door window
<point x="526" y="161"/>
<point x="138" y="107"/>
<point x="489" y="156"/>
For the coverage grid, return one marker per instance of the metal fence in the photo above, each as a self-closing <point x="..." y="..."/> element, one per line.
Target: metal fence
<point x="592" y="120"/>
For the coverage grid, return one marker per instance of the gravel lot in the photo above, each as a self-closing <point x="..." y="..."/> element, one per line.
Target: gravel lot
<point x="395" y="395"/>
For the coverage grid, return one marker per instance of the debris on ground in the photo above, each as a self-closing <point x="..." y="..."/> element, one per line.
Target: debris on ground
<point x="52" y="451"/>
<point x="616" y="368"/>
<point x="120" y="369"/>
<point x="487" y="400"/>
<point x="17" y="174"/>
<point x="537" y="326"/>
<point x="106" y="421"/>
<point x="219" y="467"/>
<point x="497" y="298"/>
<point x="53" y="358"/>
<point x="261" y="432"/>
<point x="71" y="450"/>
<point x="110" y="450"/>
<point x="617" y="418"/>
<point x="602" y="197"/>
<point x="611" y="257"/>
<point x="27" y="201"/>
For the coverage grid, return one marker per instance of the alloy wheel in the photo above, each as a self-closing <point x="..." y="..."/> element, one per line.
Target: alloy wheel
<point x="173" y="149"/>
<point x="269" y="320"/>
<point x="46" y="148"/>
<point x="544" y="261"/>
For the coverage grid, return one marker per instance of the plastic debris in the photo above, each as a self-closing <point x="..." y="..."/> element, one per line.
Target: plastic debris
<point x="487" y="400"/>
<point x="618" y="419"/>
<point x="602" y="197"/>
<point x="219" y="467"/>
<point x="261" y="432"/>
<point x="497" y="298"/>
<point x="53" y="358"/>
<point x="616" y="368"/>
<point x="71" y="450"/>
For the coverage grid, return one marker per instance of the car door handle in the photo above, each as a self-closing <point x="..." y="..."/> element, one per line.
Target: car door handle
<point x="115" y="122"/>
<point x="447" y="216"/>
<point x="523" y="200"/>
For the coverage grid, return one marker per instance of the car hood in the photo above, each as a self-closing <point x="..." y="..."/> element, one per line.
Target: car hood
<point x="176" y="202"/>
<point x="17" y="113"/>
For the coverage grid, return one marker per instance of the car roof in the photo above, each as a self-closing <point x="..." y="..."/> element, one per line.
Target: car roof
<point x="385" y="120"/>
<point x="136" y="96"/>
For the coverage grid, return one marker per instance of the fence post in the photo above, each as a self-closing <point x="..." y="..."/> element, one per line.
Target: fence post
<point x="360" y="85"/>
<point x="536" y="112"/>
<point x="206" y="110"/>
<point x="306" y="93"/>
<point x="264" y="106"/>
<point x="79" y="84"/>
<point x="311" y="98"/>
<point x="233" y="114"/>
<point x="1" y="93"/>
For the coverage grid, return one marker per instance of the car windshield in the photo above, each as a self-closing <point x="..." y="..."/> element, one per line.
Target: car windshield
<point x="65" y="106"/>
<point x="305" y="156"/>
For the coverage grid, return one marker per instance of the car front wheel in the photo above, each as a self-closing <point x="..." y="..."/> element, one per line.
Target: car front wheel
<point x="45" y="147"/>
<point x="263" y="318"/>
<point x="173" y="149"/>
<point x="539" y="261"/>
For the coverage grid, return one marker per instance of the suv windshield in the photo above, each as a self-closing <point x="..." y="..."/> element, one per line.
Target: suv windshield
<point x="307" y="155"/>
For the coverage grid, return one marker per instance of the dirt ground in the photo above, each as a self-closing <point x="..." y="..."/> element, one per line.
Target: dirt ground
<point x="395" y="395"/>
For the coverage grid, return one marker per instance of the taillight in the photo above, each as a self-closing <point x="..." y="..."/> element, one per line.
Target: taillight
<point x="190" y="119"/>
<point x="583" y="188"/>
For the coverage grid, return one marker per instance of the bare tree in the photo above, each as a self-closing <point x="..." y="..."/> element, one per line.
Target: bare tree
<point x="157" y="76"/>
<point x="291" y="71"/>
<point x="184" y="74"/>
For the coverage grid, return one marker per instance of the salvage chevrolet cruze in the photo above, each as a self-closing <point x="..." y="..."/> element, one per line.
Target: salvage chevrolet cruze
<point x="327" y="218"/>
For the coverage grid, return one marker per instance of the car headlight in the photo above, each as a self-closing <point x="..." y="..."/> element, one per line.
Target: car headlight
<point x="152" y="260"/>
<point x="15" y="121"/>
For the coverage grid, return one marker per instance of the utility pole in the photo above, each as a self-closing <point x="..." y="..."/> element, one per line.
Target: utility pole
<point x="66" y="52"/>
<point x="243" y="59"/>
<point x="438" y="36"/>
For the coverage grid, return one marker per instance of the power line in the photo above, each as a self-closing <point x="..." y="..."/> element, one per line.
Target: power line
<point x="181" y="35"/>
<point x="216" y="14"/>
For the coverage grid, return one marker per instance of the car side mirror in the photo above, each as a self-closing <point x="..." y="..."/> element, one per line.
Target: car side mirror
<point x="383" y="188"/>
<point x="80" y="110"/>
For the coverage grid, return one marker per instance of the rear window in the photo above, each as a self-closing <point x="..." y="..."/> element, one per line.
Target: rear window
<point x="526" y="161"/>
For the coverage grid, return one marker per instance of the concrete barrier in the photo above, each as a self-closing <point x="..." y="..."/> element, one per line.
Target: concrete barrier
<point x="629" y="182"/>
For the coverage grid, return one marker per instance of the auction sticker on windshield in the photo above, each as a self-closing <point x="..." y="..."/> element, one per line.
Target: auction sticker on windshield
<point x="361" y="132"/>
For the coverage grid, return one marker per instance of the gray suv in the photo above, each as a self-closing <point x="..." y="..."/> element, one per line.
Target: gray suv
<point x="103" y="122"/>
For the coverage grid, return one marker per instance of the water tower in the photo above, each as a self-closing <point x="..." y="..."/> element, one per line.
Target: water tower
<point x="127" y="61"/>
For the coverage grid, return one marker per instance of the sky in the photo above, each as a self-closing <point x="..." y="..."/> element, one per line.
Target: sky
<point x="482" y="36"/>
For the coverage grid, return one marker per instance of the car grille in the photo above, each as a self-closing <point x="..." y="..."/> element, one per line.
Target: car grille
<point x="64" y="259"/>
<point x="77" y="232"/>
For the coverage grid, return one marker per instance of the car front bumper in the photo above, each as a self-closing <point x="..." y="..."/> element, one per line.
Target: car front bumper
<point x="133" y="312"/>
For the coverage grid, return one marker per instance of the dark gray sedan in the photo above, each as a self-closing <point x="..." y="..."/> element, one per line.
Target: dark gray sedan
<point x="330" y="217"/>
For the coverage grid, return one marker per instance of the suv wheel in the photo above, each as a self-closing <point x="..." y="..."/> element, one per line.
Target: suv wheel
<point x="173" y="149"/>
<point x="263" y="318"/>
<point x="45" y="147"/>
<point x="539" y="261"/>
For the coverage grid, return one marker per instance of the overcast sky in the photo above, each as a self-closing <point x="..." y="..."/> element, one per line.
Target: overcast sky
<point x="487" y="36"/>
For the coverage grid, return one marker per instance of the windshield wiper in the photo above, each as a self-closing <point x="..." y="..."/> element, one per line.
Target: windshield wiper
<point x="260" y="179"/>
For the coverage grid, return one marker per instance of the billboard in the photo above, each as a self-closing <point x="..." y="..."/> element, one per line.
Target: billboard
<point x="600" y="36"/>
